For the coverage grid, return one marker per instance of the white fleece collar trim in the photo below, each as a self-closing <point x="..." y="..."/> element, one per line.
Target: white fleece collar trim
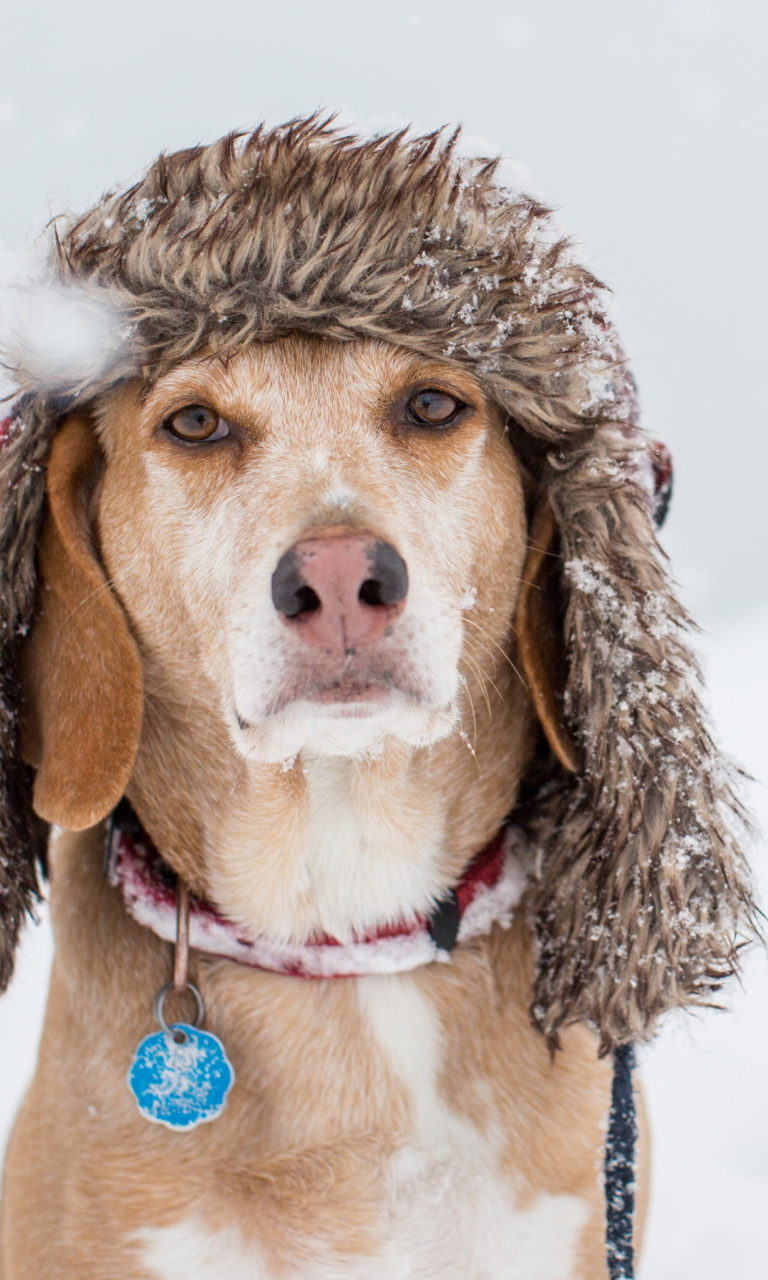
<point x="487" y="894"/>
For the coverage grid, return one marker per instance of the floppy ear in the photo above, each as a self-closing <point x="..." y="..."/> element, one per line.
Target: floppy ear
<point x="540" y="639"/>
<point x="83" y="673"/>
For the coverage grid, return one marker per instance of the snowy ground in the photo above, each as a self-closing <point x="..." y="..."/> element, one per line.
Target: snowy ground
<point x="706" y="1078"/>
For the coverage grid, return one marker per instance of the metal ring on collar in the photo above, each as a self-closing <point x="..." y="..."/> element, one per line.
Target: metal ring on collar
<point x="160" y="1009"/>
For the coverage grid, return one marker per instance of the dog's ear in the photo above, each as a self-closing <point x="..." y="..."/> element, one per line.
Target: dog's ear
<point x="540" y="638"/>
<point x="83" y="675"/>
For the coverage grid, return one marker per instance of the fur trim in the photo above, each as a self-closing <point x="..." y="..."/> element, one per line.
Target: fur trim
<point x="26" y="436"/>
<point x="643" y="888"/>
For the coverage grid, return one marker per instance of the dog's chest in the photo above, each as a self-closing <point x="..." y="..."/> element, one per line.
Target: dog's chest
<point x="446" y="1212"/>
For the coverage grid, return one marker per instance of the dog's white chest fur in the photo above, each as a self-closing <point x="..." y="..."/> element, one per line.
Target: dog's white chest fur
<point x="448" y="1215"/>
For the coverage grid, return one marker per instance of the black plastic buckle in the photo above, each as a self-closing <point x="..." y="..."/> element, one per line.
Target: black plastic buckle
<point x="443" y="922"/>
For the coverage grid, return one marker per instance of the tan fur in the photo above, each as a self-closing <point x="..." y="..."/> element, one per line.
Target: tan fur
<point x="539" y="637"/>
<point x="300" y="1159"/>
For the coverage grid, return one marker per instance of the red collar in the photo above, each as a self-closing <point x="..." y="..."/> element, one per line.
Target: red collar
<point x="485" y="895"/>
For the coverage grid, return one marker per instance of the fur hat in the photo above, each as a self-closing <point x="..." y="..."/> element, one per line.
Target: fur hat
<point x="641" y="891"/>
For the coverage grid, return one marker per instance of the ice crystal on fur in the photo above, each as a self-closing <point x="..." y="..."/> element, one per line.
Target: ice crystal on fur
<point x="642" y="889"/>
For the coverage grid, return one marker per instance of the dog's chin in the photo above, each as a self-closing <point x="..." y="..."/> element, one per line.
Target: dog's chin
<point x="356" y="724"/>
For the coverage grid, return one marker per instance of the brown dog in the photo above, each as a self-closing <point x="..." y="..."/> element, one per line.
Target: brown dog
<point x="301" y="603"/>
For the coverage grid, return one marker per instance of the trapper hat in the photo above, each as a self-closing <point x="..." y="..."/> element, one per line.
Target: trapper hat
<point x="640" y="893"/>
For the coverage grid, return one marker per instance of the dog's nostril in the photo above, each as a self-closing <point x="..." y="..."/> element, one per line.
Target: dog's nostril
<point x="291" y="595"/>
<point x="307" y="601"/>
<point x="388" y="583"/>
<point x="371" y="593"/>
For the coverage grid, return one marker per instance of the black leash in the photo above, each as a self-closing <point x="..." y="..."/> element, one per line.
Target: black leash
<point x="620" y="1168"/>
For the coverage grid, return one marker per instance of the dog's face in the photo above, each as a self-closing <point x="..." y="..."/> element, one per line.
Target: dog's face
<point x="280" y="590"/>
<point x="318" y="538"/>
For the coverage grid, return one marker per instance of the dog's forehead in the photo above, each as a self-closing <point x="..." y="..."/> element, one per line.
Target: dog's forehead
<point x="275" y="379"/>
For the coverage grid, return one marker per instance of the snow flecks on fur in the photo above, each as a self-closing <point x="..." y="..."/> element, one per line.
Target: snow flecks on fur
<point x="642" y="889"/>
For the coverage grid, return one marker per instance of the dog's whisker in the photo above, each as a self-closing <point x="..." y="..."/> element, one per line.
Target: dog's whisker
<point x="491" y="640"/>
<point x="482" y="680"/>
<point x="192" y="693"/>
<point x="487" y="679"/>
<point x="471" y="746"/>
<point x="468" y="691"/>
<point x="237" y="776"/>
<point x="151" y="693"/>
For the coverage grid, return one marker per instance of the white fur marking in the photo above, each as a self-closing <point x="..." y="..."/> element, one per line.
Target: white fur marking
<point x="450" y="1215"/>
<point x="453" y="1215"/>
<point x="354" y="860"/>
<point x="187" y="1251"/>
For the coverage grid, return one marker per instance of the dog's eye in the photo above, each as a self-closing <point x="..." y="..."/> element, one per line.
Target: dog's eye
<point x="433" y="408"/>
<point x="196" y="423"/>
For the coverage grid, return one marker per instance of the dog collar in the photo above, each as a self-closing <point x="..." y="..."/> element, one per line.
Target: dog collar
<point x="485" y="895"/>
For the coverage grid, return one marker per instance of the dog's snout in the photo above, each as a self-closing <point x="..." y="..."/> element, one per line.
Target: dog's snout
<point x="339" y="589"/>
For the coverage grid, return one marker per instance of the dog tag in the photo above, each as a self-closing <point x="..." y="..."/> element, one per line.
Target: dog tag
<point x="181" y="1082"/>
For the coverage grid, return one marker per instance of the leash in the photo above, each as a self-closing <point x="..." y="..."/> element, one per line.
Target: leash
<point x="619" y="1168"/>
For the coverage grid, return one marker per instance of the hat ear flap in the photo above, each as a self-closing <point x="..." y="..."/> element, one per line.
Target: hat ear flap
<point x="642" y="892"/>
<point x="83" y="674"/>
<point x="540" y="638"/>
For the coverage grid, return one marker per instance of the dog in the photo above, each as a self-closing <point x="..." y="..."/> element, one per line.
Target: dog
<point x="317" y="614"/>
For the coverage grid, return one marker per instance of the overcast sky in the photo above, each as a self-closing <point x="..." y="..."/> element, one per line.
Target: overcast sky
<point x="644" y="121"/>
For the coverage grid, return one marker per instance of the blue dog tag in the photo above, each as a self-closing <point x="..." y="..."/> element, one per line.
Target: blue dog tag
<point x="181" y="1083"/>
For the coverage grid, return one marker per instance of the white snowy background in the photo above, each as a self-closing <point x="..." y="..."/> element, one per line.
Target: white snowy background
<point x="644" y="121"/>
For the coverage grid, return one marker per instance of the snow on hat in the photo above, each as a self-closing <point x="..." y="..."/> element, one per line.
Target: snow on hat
<point x="641" y="892"/>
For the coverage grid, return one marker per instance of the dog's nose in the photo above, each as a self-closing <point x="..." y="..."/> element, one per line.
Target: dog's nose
<point x="339" y="589"/>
